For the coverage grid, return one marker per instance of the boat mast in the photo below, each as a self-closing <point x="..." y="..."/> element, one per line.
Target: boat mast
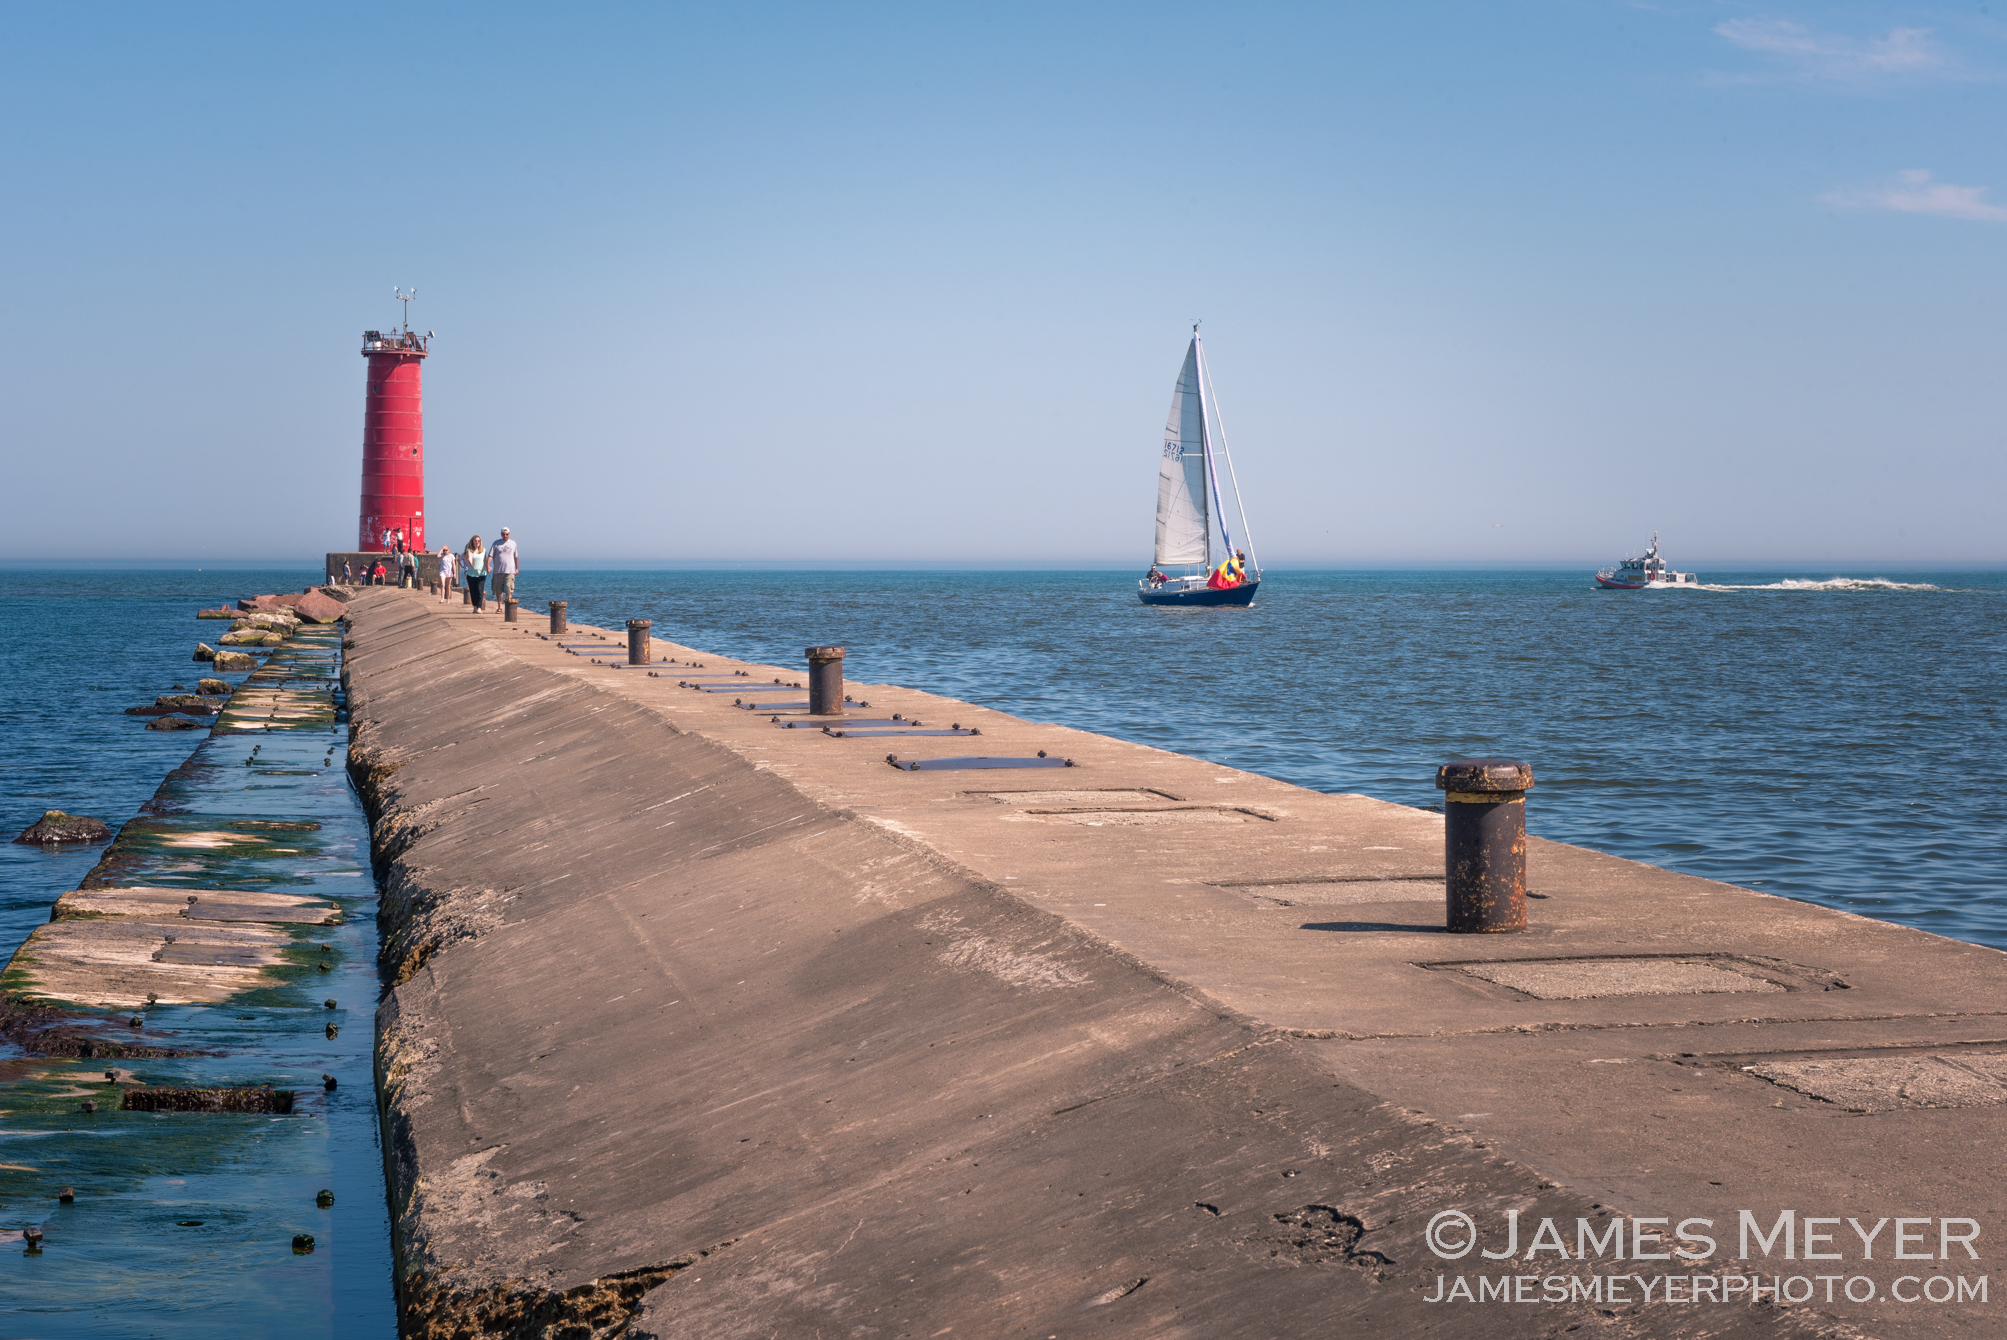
<point x="1205" y="379"/>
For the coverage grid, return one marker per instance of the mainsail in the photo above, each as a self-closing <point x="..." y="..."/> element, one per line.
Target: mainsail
<point x="1183" y="535"/>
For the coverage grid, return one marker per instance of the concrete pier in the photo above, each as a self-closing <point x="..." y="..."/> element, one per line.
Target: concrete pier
<point x="719" y="1027"/>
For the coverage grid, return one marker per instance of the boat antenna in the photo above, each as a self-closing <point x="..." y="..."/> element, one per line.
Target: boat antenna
<point x="1206" y="374"/>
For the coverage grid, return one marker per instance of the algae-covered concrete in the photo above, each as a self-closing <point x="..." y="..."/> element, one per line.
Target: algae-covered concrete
<point x="705" y="1027"/>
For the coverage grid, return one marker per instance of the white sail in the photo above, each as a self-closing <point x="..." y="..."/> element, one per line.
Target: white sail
<point x="1182" y="535"/>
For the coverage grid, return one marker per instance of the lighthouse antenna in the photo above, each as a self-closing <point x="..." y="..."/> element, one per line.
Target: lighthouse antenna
<point x="405" y="296"/>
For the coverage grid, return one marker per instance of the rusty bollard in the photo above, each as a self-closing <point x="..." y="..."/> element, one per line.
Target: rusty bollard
<point x="637" y="640"/>
<point x="825" y="681"/>
<point x="1484" y="843"/>
<point x="558" y="607"/>
<point x="509" y="611"/>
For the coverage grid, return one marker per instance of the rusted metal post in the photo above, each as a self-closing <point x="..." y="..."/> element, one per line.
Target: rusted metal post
<point x="509" y="611"/>
<point x="637" y="640"/>
<point x="825" y="681"/>
<point x="558" y="608"/>
<point x="1484" y="843"/>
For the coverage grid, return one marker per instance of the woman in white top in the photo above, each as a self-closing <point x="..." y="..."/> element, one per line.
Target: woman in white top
<point x="446" y="565"/>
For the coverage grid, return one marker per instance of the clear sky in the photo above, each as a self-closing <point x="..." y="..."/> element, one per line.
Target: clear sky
<point x="832" y="282"/>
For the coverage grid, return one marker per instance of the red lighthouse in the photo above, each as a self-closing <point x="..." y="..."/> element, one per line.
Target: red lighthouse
<point x="393" y="440"/>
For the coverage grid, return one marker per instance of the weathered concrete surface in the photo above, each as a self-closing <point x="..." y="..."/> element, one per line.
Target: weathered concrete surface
<point x="1143" y="1047"/>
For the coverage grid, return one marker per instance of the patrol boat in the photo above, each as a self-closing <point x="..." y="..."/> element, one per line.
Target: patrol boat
<point x="1189" y="503"/>
<point x="1644" y="574"/>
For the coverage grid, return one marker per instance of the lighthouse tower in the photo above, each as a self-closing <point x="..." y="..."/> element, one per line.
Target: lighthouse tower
<point x="393" y="439"/>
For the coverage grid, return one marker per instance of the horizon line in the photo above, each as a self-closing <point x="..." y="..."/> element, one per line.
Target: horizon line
<point x="8" y="564"/>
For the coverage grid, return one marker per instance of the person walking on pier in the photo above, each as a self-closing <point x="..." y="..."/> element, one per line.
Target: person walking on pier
<point x="476" y="560"/>
<point x="502" y="562"/>
<point x="446" y="565"/>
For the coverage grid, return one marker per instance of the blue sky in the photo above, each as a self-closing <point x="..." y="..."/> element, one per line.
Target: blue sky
<point x="858" y="283"/>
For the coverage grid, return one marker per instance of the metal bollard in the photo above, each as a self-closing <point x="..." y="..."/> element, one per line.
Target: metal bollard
<point x="509" y="612"/>
<point x="637" y="640"/>
<point x="825" y="681"/>
<point x="466" y="595"/>
<point x="558" y="607"/>
<point x="1484" y="843"/>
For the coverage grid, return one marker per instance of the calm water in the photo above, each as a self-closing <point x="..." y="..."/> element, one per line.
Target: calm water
<point x="1833" y="740"/>
<point x="182" y="1225"/>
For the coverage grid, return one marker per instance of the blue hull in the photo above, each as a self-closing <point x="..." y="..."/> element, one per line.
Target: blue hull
<point x="1203" y="595"/>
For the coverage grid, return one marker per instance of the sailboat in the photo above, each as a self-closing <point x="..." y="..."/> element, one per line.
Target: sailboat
<point x="1189" y="503"/>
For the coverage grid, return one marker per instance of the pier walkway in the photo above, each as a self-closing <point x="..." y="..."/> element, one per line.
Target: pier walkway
<point x="730" y="1028"/>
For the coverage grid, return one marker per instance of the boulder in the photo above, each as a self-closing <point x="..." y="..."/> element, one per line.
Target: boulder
<point x="217" y="613"/>
<point x="287" y="601"/>
<point x="317" y="607"/>
<point x="188" y="702"/>
<point x="336" y="593"/>
<point x="173" y="722"/>
<point x="212" y="687"/>
<point x="55" y="826"/>
<point x="229" y="662"/>
<point x="204" y="652"/>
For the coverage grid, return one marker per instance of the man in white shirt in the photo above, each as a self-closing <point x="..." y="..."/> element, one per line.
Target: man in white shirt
<point x="502" y="563"/>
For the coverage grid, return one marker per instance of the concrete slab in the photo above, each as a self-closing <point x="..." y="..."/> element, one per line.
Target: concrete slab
<point x="1596" y="978"/>
<point x="680" y="989"/>
<point x="1889" y="1083"/>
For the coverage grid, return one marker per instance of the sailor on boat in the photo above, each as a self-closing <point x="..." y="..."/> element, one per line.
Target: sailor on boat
<point x="1190" y="502"/>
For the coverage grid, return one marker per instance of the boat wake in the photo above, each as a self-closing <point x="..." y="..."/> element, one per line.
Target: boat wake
<point x="1830" y="584"/>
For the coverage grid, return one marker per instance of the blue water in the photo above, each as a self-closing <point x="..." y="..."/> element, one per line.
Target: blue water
<point x="183" y="1223"/>
<point x="1821" y="736"/>
<point x="1833" y="741"/>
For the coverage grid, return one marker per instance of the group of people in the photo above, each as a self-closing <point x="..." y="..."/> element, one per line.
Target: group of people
<point x="402" y="562"/>
<point x="477" y="565"/>
<point x="1230" y="573"/>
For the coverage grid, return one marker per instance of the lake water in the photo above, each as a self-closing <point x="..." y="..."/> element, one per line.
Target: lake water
<point x="1821" y="736"/>
<point x="183" y="1223"/>
<point x="1832" y="740"/>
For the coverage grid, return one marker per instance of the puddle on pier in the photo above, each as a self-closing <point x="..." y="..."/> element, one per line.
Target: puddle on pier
<point x="183" y="1222"/>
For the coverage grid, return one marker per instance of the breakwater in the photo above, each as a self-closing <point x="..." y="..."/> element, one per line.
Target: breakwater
<point x="189" y="1042"/>
<point x="705" y="1024"/>
<point x="1704" y="731"/>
